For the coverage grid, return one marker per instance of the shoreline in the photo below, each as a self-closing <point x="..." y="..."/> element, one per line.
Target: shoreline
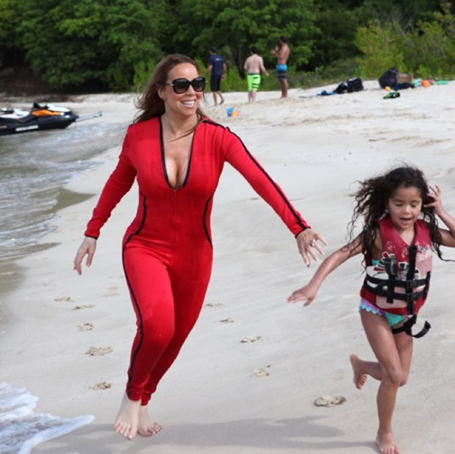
<point x="315" y="149"/>
<point x="12" y="274"/>
<point x="65" y="199"/>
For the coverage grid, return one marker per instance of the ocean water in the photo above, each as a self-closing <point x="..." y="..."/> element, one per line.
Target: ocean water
<point x="21" y="428"/>
<point x="34" y="168"/>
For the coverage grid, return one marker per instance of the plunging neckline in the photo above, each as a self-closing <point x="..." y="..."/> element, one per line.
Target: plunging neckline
<point x="163" y="159"/>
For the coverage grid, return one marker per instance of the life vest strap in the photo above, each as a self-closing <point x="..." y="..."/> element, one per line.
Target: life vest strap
<point x="385" y="290"/>
<point x="408" y="284"/>
<point x="407" y="328"/>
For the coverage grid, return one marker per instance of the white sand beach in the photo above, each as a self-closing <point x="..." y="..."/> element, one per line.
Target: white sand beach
<point x="68" y="337"/>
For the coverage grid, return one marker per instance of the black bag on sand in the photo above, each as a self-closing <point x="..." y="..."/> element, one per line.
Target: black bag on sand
<point x="350" y="86"/>
<point x="354" y="84"/>
<point x="389" y="78"/>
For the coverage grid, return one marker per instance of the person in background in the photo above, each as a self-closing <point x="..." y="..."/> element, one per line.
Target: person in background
<point x="217" y="69"/>
<point x="254" y="65"/>
<point x="282" y="52"/>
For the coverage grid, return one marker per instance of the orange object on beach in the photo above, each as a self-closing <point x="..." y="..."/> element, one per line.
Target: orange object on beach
<point x="425" y="83"/>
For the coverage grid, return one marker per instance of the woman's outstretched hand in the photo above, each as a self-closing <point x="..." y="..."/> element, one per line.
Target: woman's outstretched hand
<point x="307" y="242"/>
<point x="87" y="248"/>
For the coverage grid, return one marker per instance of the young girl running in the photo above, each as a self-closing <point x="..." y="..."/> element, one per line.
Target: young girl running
<point x="400" y="230"/>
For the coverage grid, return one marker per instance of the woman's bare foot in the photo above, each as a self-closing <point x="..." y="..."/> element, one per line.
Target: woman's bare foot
<point x="359" y="377"/>
<point x="386" y="444"/>
<point x="147" y="427"/>
<point x="127" y="420"/>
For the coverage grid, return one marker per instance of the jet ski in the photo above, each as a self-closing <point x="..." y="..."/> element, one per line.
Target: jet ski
<point x="39" y="118"/>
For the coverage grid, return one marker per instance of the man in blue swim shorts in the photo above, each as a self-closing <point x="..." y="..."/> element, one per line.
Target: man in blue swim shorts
<point x="282" y="52"/>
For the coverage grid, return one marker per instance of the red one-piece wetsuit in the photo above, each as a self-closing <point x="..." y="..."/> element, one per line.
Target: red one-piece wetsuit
<point x="167" y="250"/>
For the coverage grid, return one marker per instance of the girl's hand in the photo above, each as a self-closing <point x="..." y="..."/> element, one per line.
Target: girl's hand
<point x="307" y="242"/>
<point x="306" y="294"/>
<point x="435" y="194"/>
<point x="87" y="248"/>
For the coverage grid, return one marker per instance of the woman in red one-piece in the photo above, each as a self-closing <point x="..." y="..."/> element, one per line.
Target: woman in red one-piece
<point x="177" y="156"/>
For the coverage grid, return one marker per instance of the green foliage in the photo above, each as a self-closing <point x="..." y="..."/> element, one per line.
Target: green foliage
<point x="201" y="64"/>
<point x="235" y="25"/>
<point x="9" y="22"/>
<point x="60" y="40"/>
<point x="114" y="44"/>
<point x="142" y="72"/>
<point x="336" y="31"/>
<point x="111" y="42"/>
<point x="270" y="83"/>
<point x="430" y="51"/>
<point x="405" y="13"/>
<point x="233" y="81"/>
<point x="337" y="72"/>
<point x="382" y="48"/>
<point x="426" y="50"/>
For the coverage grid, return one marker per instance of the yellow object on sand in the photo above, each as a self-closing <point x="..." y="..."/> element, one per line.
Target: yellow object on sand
<point x="387" y="88"/>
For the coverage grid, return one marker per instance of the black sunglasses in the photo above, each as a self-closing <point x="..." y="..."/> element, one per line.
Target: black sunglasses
<point x="181" y="86"/>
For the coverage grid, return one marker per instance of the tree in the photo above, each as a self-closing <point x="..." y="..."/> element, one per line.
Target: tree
<point x="382" y="48"/>
<point x="236" y="25"/>
<point x="337" y="23"/>
<point x="406" y="13"/>
<point x="70" y="42"/>
<point x="9" y="39"/>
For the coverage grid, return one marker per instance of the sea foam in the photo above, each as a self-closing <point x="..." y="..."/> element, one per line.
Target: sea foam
<point x="21" y="429"/>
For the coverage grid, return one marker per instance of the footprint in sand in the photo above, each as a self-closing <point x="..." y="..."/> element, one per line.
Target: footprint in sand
<point x="329" y="401"/>
<point x="443" y="172"/>
<point x="249" y="339"/>
<point x="100" y="386"/>
<point x="85" y="327"/>
<point x="111" y="291"/>
<point x="214" y="305"/>
<point x="262" y="372"/>
<point x="63" y="298"/>
<point x="86" y="306"/>
<point x="98" y="351"/>
<point x="227" y="320"/>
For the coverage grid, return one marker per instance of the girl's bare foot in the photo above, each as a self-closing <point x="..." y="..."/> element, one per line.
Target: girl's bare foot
<point x="386" y="444"/>
<point x="127" y="420"/>
<point x="359" y="377"/>
<point x="146" y="426"/>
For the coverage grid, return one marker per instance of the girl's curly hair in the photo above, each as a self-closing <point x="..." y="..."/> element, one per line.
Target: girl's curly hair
<point x="371" y="203"/>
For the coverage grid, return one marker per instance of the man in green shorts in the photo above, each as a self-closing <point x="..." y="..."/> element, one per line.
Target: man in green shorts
<point x="254" y="65"/>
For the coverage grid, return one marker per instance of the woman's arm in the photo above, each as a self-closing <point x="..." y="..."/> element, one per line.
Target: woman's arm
<point x="118" y="184"/>
<point x="308" y="293"/>
<point x="448" y="236"/>
<point x="246" y="164"/>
